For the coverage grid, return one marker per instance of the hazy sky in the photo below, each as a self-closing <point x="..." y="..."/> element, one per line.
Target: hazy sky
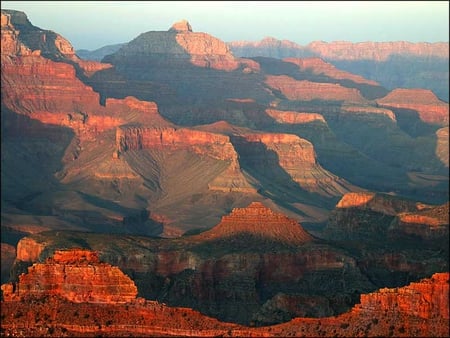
<point x="93" y="24"/>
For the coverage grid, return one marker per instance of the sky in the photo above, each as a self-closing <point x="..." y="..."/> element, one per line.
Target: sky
<point x="94" y="24"/>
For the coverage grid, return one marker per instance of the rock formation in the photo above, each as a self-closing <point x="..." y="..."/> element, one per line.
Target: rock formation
<point x="295" y="156"/>
<point x="429" y="108"/>
<point x="306" y="90"/>
<point x="416" y="65"/>
<point x="366" y="215"/>
<point x="320" y="67"/>
<point x="178" y="45"/>
<point x="338" y="50"/>
<point x="76" y="275"/>
<point x="256" y="219"/>
<point x="419" y="309"/>
<point x="428" y="224"/>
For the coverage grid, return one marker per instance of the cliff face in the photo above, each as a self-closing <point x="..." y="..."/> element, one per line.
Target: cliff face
<point x="272" y="152"/>
<point x="320" y="67"/>
<point x="338" y="50"/>
<point x="259" y="220"/>
<point x="75" y="275"/>
<point x="306" y="90"/>
<point x="365" y="215"/>
<point x="429" y="224"/>
<point x="429" y="108"/>
<point x="232" y="272"/>
<point x="419" y="309"/>
<point x="416" y="65"/>
<point x="178" y="45"/>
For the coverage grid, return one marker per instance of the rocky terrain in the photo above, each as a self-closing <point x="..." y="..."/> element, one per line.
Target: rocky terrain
<point x="416" y="65"/>
<point x="265" y="193"/>
<point x="418" y="309"/>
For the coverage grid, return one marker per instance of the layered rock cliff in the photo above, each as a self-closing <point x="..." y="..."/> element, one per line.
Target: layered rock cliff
<point x="270" y="152"/>
<point x="318" y="66"/>
<point x="416" y="65"/>
<point x="338" y="50"/>
<point x="429" y="108"/>
<point x="419" y="309"/>
<point x="178" y="45"/>
<point x="232" y="271"/>
<point x="256" y="219"/>
<point x="306" y="90"/>
<point x="76" y="275"/>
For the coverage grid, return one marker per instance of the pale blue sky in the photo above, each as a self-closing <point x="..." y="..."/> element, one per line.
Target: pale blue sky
<point x="93" y="24"/>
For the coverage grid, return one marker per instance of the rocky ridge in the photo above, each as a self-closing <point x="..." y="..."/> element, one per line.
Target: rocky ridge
<point x="76" y="275"/>
<point x="420" y="308"/>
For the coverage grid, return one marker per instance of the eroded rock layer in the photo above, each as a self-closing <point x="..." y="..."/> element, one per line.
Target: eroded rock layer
<point x="75" y="275"/>
<point x="419" y="309"/>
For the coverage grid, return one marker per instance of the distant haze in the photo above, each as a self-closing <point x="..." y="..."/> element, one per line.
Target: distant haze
<point x="94" y="24"/>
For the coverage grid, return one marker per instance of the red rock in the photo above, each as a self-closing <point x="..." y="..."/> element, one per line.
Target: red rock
<point x="258" y="220"/>
<point x="293" y="117"/>
<point x="427" y="105"/>
<point x="320" y="67"/>
<point x="306" y="90"/>
<point x="76" y="275"/>
<point x="294" y="155"/>
<point x="419" y="309"/>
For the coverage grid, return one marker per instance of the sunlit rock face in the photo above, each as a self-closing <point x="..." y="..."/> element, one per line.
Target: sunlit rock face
<point x="176" y="46"/>
<point x="304" y="90"/>
<point x="75" y="275"/>
<point x="296" y="157"/>
<point x="429" y="108"/>
<point x="259" y="220"/>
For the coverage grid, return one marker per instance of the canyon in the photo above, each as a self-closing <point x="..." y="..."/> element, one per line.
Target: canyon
<point x="420" y="308"/>
<point x="184" y="186"/>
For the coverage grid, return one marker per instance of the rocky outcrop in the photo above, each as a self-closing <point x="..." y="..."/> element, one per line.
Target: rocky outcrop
<point x="257" y="219"/>
<point x="320" y="67"/>
<point x="305" y="90"/>
<point x="430" y="224"/>
<point x="366" y="216"/>
<point x="76" y="275"/>
<point x="293" y="117"/>
<point x="419" y="309"/>
<point x="270" y="152"/>
<point x="177" y="46"/>
<point x="416" y="65"/>
<point x="429" y="108"/>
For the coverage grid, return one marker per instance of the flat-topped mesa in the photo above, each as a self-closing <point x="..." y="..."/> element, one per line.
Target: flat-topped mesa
<point x="76" y="275"/>
<point x="214" y="145"/>
<point x="258" y="220"/>
<point x="424" y="101"/>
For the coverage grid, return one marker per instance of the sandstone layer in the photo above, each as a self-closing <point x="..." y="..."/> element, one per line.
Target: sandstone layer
<point x="77" y="276"/>
<point x="419" y="309"/>
<point x="429" y="108"/>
